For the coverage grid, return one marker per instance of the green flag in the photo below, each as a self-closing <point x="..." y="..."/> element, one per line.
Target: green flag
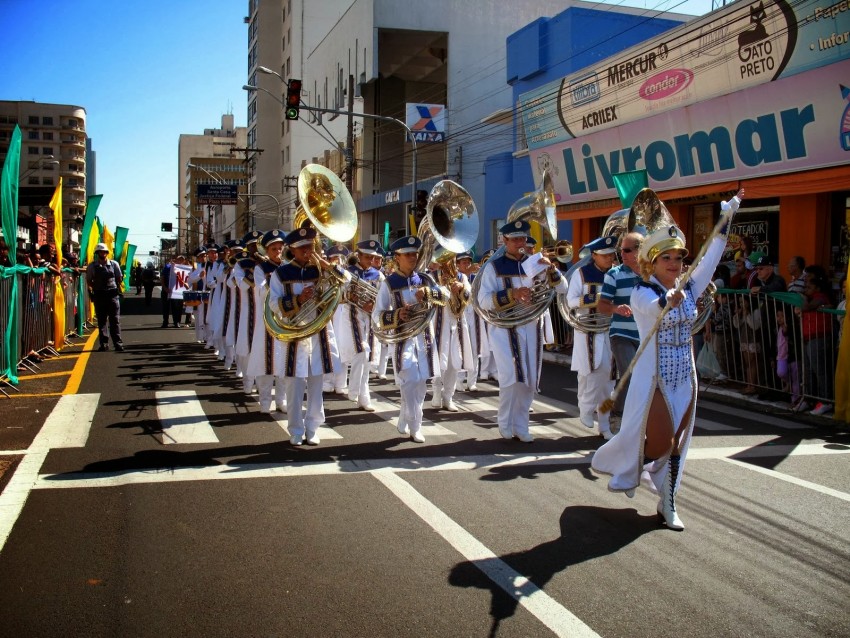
<point x="9" y="212"/>
<point x="629" y="184"/>
<point x="91" y="211"/>
<point x="131" y="252"/>
<point x="120" y="239"/>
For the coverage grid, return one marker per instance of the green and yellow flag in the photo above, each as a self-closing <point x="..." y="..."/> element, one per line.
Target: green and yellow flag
<point x="9" y="216"/>
<point x="58" y="293"/>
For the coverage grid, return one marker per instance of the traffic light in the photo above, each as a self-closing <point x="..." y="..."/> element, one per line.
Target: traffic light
<point x="293" y="99"/>
<point x="166" y="227"/>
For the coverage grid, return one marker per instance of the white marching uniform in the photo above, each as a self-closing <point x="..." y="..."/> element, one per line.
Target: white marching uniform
<point x="451" y="334"/>
<point x="414" y="359"/>
<point x="199" y="278"/>
<point x="479" y="341"/>
<point x="591" y="357"/>
<point x="517" y="351"/>
<point x="357" y="342"/>
<point x="305" y="360"/>
<point x="265" y="361"/>
<point x="243" y="274"/>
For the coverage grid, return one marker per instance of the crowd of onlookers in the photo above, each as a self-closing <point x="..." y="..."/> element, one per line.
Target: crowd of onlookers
<point x="773" y="343"/>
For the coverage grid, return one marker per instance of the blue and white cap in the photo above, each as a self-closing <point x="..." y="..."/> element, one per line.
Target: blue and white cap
<point x="518" y="228"/>
<point x="408" y="244"/>
<point x="370" y="247"/>
<point x="603" y="245"/>
<point x="463" y="255"/>
<point x="252" y="237"/>
<point x="337" y="250"/>
<point x="272" y="237"/>
<point x="300" y="237"/>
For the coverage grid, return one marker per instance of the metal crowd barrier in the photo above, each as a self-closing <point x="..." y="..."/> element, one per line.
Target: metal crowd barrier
<point x="744" y="336"/>
<point x="563" y="331"/>
<point x="34" y="313"/>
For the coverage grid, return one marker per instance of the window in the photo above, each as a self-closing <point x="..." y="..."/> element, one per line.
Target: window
<point x="47" y="135"/>
<point x="47" y="181"/>
<point x="47" y="150"/>
<point x="47" y="121"/>
<point x="33" y="180"/>
<point x="33" y="119"/>
<point x="73" y="167"/>
<point x="32" y="135"/>
<point x="32" y="150"/>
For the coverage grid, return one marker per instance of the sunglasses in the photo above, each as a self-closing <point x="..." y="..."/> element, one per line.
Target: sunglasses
<point x="627" y="250"/>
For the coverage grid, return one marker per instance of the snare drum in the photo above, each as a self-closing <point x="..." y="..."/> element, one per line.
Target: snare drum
<point x="195" y="297"/>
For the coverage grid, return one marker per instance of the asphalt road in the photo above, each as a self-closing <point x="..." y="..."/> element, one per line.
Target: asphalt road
<point x="110" y="526"/>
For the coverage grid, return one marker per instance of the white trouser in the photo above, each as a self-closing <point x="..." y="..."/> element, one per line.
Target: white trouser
<point x="412" y="397"/>
<point x="382" y="362"/>
<point x="264" y="390"/>
<point x="298" y="422"/>
<point x="450" y="375"/>
<point x="229" y="356"/>
<point x="358" y="382"/>
<point x="241" y="366"/>
<point x="340" y="379"/>
<point x="514" y="402"/>
<point x="593" y="389"/>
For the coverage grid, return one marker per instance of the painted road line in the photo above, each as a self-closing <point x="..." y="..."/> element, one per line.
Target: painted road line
<point x="46" y="375"/>
<point x="70" y="422"/>
<point x="844" y="496"/>
<point x="416" y="464"/>
<point x="542" y="606"/>
<point x="714" y="426"/>
<point x="182" y="418"/>
<point x="59" y="430"/>
<point x="73" y="385"/>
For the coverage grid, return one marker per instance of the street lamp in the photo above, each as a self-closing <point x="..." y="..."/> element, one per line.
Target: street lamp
<point x="276" y="201"/>
<point x="383" y="118"/>
<point x="268" y="71"/>
<point x="41" y="162"/>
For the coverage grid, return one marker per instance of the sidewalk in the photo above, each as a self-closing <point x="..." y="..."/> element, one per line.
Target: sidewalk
<point x="729" y="395"/>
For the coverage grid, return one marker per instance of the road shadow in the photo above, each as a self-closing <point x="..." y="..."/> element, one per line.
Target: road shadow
<point x="586" y="533"/>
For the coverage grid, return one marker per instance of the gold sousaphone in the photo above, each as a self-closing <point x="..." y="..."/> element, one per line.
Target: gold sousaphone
<point x="450" y="226"/>
<point x="327" y="204"/>
<point x="538" y="207"/>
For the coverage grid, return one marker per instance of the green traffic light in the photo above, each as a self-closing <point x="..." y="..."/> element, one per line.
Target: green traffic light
<point x="291" y="113"/>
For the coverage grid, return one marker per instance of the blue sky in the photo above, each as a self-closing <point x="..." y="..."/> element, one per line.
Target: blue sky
<point x="145" y="72"/>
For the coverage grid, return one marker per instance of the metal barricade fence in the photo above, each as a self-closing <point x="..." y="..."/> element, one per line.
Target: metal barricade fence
<point x="562" y="331"/>
<point x="69" y="284"/>
<point x="35" y="312"/>
<point x="769" y="346"/>
<point x="5" y="303"/>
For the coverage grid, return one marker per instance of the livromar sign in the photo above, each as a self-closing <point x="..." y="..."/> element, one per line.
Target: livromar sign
<point x="427" y="122"/>
<point x="743" y="45"/>
<point x="797" y="123"/>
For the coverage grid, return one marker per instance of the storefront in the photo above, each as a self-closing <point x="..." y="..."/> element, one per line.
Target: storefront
<point x="753" y="95"/>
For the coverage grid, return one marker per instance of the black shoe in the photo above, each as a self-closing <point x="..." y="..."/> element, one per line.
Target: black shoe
<point x="103" y="348"/>
<point x="119" y="348"/>
<point x="164" y="325"/>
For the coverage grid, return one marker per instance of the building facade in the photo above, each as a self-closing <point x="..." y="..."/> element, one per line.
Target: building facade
<point x="211" y="186"/>
<point x="53" y="145"/>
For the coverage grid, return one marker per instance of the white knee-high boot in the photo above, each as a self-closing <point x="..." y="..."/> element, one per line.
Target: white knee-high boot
<point x="667" y="504"/>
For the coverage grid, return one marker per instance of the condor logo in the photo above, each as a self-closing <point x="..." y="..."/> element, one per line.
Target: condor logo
<point x="665" y="84"/>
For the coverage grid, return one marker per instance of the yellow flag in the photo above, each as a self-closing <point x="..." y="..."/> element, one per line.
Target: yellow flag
<point x="123" y="262"/>
<point x="109" y="239"/>
<point x="58" y="293"/>
<point x="94" y="238"/>
<point x="842" y="369"/>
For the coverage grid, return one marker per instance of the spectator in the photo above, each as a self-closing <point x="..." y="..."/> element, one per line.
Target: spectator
<point x="787" y="354"/>
<point x="796" y="266"/>
<point x="4" y="255"/>
<point x="818" y="348"/>
<point x="149" y="281"/>
<point x="741" y="274"/>
<point x="747" y="321"/>
<point x="47" y="258"/>
<point x="137" y="278"/>
<point x="766" y="278"/>
<point x="104" y="278"/>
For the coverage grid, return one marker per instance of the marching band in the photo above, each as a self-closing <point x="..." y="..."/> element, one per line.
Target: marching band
<point x="297" y="318"/>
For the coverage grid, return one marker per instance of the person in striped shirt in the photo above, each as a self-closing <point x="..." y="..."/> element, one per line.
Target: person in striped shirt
<point x="614" y="300"/>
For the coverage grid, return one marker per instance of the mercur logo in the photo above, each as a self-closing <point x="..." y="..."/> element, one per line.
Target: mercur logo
<point x="666" y="84"/>
<point x="584" y="90"/>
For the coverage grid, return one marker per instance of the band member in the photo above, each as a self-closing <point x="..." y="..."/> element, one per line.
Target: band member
<point x="357" y="342"/>
<point x="592" y="350"/>
<point x="200" y="279"/>
<point x="265" y="361"/>
<point x="506" y="283"/>
<point x="451" y="333"/>
<point x="338" y="381"/>
<point x="415" y="358"/>
<point x="381" y="351"/>
<point x="658" y="419"/>
<point x="488" y="361"/>
<point x="231" y="304"/>
<point x="477" y="330"/>
<point x="243" y="279"/>
<point x="309" y="358"/>
<point x="215" y="311"/>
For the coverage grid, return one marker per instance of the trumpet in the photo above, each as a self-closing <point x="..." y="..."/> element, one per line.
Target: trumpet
<point x="561" y="251"/>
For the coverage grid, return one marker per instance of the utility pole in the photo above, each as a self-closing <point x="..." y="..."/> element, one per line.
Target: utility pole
<point x="349" y="138"/>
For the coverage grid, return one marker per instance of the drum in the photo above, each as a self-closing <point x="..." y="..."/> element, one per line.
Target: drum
<point x="195" y="297"/>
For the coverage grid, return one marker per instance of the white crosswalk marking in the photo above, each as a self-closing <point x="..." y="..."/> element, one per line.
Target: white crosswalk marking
<point x="182" y="418"/>
<point x="324" y="431"/>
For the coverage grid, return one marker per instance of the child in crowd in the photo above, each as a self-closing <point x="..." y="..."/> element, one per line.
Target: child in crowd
<point x="747" y="322"/>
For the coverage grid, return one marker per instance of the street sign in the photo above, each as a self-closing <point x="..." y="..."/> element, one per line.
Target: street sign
<point x="216" y="194"/>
